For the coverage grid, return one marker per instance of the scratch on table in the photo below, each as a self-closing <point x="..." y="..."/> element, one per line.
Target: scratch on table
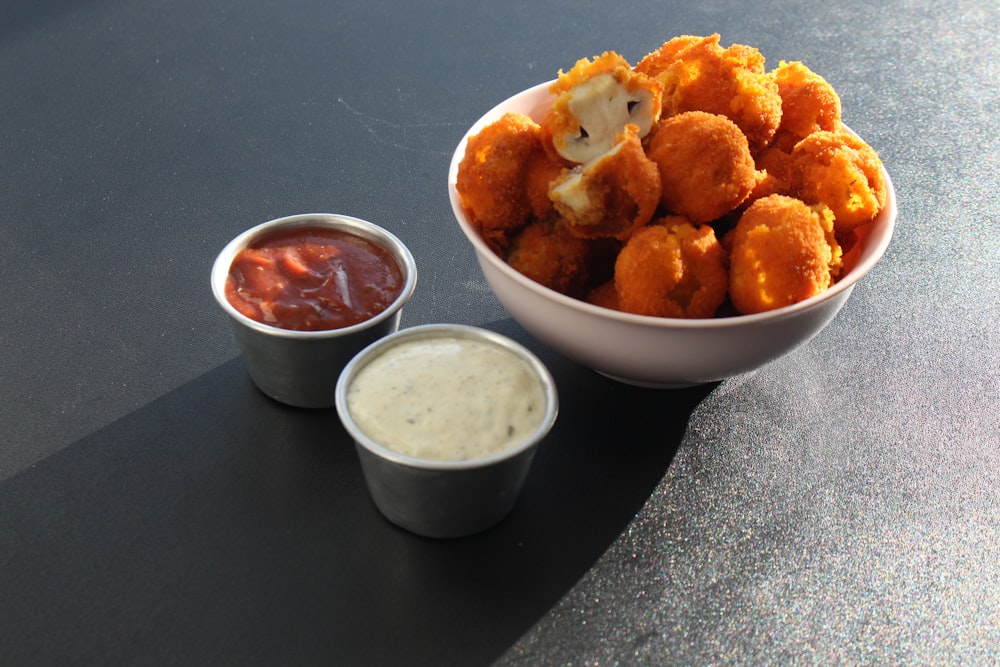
<point x="382" y="130"/>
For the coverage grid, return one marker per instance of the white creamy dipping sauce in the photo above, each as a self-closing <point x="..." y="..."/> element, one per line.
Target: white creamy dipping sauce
<point x="447" y="398"/>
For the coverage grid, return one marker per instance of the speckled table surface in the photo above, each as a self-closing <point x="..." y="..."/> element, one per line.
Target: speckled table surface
<point x="838" y="506"/>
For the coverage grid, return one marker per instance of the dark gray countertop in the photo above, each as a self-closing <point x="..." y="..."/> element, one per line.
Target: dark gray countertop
<point x="837" y="506"/>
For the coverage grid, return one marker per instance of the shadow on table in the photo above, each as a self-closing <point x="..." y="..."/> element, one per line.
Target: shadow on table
<point x="215" y="525"/>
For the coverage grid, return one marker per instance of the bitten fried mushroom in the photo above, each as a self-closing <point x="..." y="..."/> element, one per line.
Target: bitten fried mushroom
<point x="782" y="251"/>
<point x="594" y="102"/>
<point x="612" y="195"/>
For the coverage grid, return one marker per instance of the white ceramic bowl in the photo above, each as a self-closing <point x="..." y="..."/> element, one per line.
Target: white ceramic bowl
<point x="654" y="351"/>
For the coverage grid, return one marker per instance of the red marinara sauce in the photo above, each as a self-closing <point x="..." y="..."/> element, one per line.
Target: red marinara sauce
<point x="313" y="279"/>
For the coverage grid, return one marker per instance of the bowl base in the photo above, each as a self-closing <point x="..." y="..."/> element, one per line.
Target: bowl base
<point x="649" y="384"/>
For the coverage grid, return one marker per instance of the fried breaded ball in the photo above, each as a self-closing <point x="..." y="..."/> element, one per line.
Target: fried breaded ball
<point x="548" y="254"/>
<point x="782" y="251"/>
<point x="492" y="175"/>
<point x="699" y="75"/>
<point x="808" y="104"/>
<point x="672" y="268"/>
<point x="705" y="165"/>
<point x="613" y="194"/>
<point x="594" y="102"/>
<point x="842" y="171"/>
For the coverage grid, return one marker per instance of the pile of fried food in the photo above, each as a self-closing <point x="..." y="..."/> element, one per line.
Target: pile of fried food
<point x="695" y="184"/>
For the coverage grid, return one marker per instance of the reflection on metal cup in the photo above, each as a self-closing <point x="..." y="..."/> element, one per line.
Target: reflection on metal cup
<point x="445" y="502"/>
<point x="301" y="368"/>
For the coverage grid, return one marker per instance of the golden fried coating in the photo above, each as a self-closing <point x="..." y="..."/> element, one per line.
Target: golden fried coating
<point x="705" y="165"/>
<point x="775" y="175"/>
<point x="594" y="102"/>
<point x="604" y="295"/>
<point x="699" y="75"/>
<point x="808" y="104"/>
<point x="542" y="169"/>
<point x="492" y="175"/>
<point x="842" y="171"/>
<point x="668" y="53"/>
<point x="853" y="245"/>
<point x="612" y="195"/>
<point x="782" y="251"/>
<point x="672" y="268"/>
<point x="548" y="254"/>
<point x="497" y="239"/>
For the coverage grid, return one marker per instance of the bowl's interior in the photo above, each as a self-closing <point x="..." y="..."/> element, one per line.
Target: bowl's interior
<point x="534" y="102"/>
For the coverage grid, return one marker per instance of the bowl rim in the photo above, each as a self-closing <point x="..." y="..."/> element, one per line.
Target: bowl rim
<point x="437" y="331"/>
<point x="363" y="228"/>
<point x="540" y="97"/>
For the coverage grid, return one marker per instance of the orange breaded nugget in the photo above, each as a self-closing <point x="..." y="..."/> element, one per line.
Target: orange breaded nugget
<point x="808" y="104"/>
<point x="612" y="195"/>
<point x="842" y="171"/>
<point x="492" y="175"/>
<point x="782" y="251"/>
<point x="594" y="102"/>
<point x="699" y="75"/>
<point x="548" y="254"/>
<point x="705" y="165"/>
<point x="672" y="268"/>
